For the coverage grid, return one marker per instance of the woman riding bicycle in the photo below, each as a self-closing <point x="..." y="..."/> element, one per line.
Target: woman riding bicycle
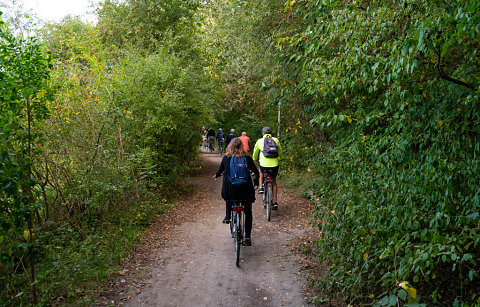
<point x="245" y="193"/>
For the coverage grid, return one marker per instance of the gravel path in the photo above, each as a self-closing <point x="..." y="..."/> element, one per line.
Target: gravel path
<point x="187" y="258"/>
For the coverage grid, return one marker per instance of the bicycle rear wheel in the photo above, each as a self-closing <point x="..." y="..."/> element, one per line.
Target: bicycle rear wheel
<point x="238" y="238"/>
<point x="269" y="200"/>
<point x="232" y="228"/>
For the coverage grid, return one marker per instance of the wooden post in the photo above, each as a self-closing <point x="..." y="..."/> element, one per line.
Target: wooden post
<point x="30" y="201"/>
<point x="278" y="130"/>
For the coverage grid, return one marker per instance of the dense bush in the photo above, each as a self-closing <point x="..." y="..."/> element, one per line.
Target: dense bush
<point x="122" y="134"/>
<point x="24" y="74"/>
<point x="161" y="107"/>
<point x="395" y="88"/>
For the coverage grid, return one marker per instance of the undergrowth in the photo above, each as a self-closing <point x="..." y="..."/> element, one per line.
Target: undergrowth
<point x="71" y="270"/>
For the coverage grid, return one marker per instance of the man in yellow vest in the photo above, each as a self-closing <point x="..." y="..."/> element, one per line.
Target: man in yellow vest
<point x="268" y="159"/>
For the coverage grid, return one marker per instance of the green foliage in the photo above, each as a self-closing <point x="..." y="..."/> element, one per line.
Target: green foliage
<point x="156" y="101"/>
<point x="123" y="130"/>
<point x="379" y="103"/>
<point x="394" y="88"/>
<point x="236" y="37"/>
<point x="148" y="24"/>
<point x="73" y="267"/>
<point x="23" y="81"/>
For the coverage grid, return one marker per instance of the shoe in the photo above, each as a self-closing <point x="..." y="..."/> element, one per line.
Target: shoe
<point x="275" y="206"/>
<point x="260" y="190"/>
<point x="247" y="242"/>
<point x="226" y="221"/>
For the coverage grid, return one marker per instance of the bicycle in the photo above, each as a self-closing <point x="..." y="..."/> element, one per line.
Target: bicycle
<point x="220" y="148"/>
<point x="210" y="146"/>
<point x="237" y="229"/>
<point x="205" y="143"/>
<point x="268" y="192"/>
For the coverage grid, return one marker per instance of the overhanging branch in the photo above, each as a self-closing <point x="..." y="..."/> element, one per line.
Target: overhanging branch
<point x="444" y="76"/>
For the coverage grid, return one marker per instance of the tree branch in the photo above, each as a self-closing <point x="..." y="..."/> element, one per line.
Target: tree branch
<point x="444" y="76"/>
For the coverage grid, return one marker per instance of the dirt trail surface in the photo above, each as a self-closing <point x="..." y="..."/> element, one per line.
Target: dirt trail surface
<point x="187" y="257"/>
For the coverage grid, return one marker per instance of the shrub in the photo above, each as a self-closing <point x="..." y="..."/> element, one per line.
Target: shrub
<point x="395" y="89"/>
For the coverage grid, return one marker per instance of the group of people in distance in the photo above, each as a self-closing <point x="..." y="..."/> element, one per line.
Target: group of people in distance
<point x="223" y="140"/>
<point x="268" y="152"/>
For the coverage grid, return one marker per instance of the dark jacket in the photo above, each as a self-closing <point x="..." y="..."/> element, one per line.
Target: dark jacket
<point x="229" y="138"/>
<point x="241" y="192"/>
<point x="211" y="132"/>
<point x="220" y="136"/>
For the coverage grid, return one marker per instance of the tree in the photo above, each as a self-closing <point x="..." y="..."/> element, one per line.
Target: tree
<point x="394" y="87"/>
<point x="23" y="79"/>
<point x="147" y="24"/>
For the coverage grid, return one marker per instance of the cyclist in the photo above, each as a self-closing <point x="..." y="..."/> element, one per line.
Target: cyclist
<point x="220" y="138"/>
<point x="204" y="137"/>
<point x="268" y="163"/>
<point x="246" y="141"/>
<point x="211" y="137"/>
<point x="244" y="193"/>
<point x="230" y="137"/>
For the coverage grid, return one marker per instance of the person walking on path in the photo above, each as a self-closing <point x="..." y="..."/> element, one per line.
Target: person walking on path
<point x="268" y="154"/>
<point x="244" y="192"/>
<point x="230" y="137"/>
<point x="246" y="142"/>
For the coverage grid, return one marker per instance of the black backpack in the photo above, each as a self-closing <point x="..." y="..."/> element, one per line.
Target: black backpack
<point x="270" y="148"/>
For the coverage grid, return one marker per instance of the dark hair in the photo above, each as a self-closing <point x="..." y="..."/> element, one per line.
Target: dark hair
<point x="235" y="148"/>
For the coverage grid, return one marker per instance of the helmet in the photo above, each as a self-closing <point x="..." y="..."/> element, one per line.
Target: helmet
<point x="232" y="131"/>
<point x="220" y="129"/>
<point x="267" y="130"/>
